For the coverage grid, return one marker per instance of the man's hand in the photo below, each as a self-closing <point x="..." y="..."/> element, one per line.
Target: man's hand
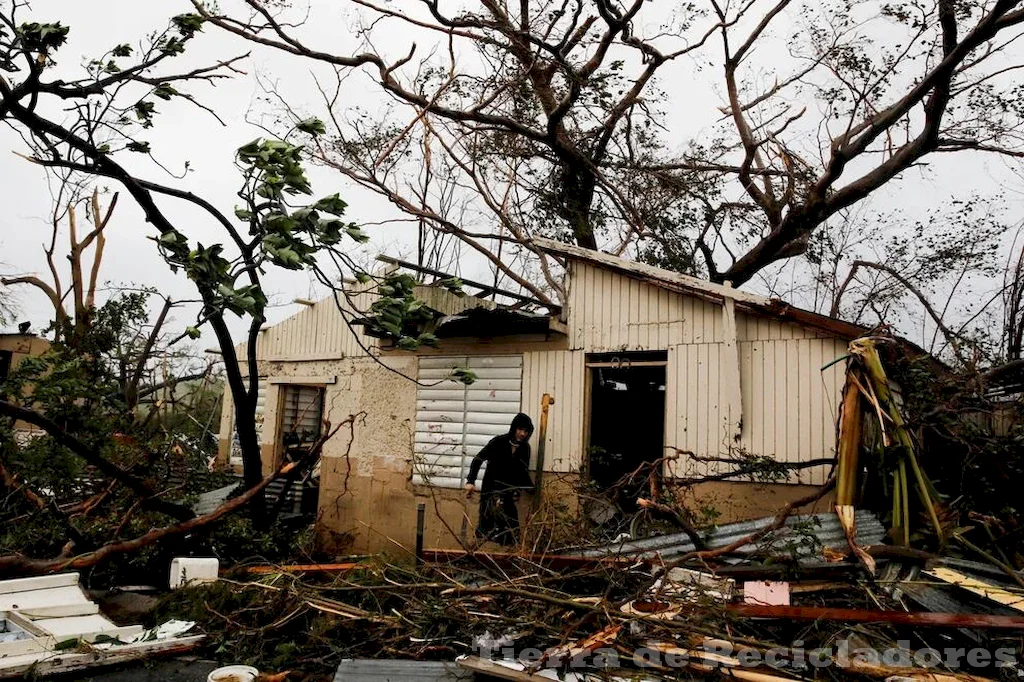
<point x="469" y="489"/>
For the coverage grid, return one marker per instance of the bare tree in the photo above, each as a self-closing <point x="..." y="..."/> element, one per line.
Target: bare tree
<point x="548" y="116"/>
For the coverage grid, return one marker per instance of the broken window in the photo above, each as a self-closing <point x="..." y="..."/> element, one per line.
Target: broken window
<point x="302" y="411"/>
<point x="454" y="420"/>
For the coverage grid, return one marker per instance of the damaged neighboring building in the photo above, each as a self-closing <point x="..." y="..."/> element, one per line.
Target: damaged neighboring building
<point x="15" y="348"/>
<point x="638" y="362"/>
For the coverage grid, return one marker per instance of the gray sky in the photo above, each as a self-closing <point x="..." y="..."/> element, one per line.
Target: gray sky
<point x="183" y="133"/>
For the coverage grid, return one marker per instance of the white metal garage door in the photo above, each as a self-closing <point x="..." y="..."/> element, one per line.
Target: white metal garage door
<point x="454" y="421"/>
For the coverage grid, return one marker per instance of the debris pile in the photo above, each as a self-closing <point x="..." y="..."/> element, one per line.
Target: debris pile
<point x="860" y="592"/>
<point x="522" y="616"/>
<point x="49" y="626"/>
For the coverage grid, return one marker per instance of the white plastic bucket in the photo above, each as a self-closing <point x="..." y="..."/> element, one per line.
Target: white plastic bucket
<point x="233" y="673"/>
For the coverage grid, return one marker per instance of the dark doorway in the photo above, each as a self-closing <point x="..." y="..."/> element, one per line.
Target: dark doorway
<point x="627" y="416"/>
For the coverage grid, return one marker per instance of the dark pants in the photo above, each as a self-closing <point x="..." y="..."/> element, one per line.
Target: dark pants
<point x="499" y="518"/>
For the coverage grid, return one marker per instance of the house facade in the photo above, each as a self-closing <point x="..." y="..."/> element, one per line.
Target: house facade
<point x="637" y="364"/>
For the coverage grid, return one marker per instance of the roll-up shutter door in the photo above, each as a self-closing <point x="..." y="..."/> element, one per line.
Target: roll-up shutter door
<point x="454" y="421"/>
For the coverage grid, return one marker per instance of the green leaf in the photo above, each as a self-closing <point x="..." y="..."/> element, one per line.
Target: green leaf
<point x="243" y="214"/>
<point x="188" y="24"/>
<point x="362" y="277"/>
<point x="65" y="645"/>
<point x="358" y="235"/>
<point x="333" y="204"/>
<point x="407" y="343"/>
<point x="144" y="112"/>
<point x="464" y="375"/>
<point x="37" y="37"/>
<point x="312" y="126"/>
<point x="193" y="332"/>
<point x="122" y="50"/>
<point x="140" y="147"/>
<point x="165" y="91"/>
<point x="172" y="46"/>
<point x="250" y="150"/>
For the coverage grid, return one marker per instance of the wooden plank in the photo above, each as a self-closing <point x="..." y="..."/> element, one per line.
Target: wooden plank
<point x="780" y="407"/>
<point x="492" y="669"/>
<point x="982" y="588"/>
<point x="300" y="568"/>
<point x="919" y="618"/>
<point x="796" y="397"/>
<point x="54" y="596"/>
<point x="55" y="662"/>
<point x="61" y="610"/>
<point x="732" y="408"/>
<point x="43" y="582"/>
<point x="318" y="380"/>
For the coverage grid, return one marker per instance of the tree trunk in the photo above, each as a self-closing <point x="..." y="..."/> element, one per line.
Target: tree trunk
<point x="577" y="185"/>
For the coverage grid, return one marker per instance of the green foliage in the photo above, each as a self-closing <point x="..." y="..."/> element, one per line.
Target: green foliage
<point x="312" y="126"/>
<point x="398" y="315"/>
<point x="144" y="112"/>
<point x="188" y="24"/>
<point x="42" y="38"/>
<point x="79" y="384"/>
<point x="464" y="375"/>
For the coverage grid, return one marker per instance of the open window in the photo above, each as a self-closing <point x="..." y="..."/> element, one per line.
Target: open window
<point x="627" y="416"/>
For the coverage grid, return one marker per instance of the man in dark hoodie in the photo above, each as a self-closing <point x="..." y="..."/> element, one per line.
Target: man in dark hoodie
<point x="507" y="473"/>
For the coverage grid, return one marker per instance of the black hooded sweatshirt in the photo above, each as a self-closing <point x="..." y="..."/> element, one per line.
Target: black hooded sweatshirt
<point x="505" y="469"/>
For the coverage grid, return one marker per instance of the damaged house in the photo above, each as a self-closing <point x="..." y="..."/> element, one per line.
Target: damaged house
<point x="638" y="364"/>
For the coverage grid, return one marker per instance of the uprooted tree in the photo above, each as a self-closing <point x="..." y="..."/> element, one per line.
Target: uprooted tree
<point x="550" y="117"/>
<point x="85" y="126"/>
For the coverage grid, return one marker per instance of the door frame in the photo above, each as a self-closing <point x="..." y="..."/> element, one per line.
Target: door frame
<point x="592" y="361"/>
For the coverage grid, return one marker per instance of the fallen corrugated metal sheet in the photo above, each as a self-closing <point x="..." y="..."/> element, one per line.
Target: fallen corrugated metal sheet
<point x="400" y="671"/>
<point x="209" y="501"/>
<point x="803" y="535"/>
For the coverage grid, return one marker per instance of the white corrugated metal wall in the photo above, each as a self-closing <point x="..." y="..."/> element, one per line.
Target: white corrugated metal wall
<point x="788" y="404"/>
<point x="318" y="332"/>
<point x="454" y="421"/>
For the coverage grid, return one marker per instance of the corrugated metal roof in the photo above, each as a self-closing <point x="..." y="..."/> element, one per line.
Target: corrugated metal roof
<point x="400" y="671"/>
<point x="824" y="528"/>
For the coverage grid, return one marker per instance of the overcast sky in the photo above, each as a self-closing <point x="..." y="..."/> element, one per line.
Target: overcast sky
<point x="182" y="133"/>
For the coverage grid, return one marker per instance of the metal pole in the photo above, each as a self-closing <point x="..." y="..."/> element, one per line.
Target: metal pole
<point x="421" y="510"/>
<point x="542" y="436"/>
